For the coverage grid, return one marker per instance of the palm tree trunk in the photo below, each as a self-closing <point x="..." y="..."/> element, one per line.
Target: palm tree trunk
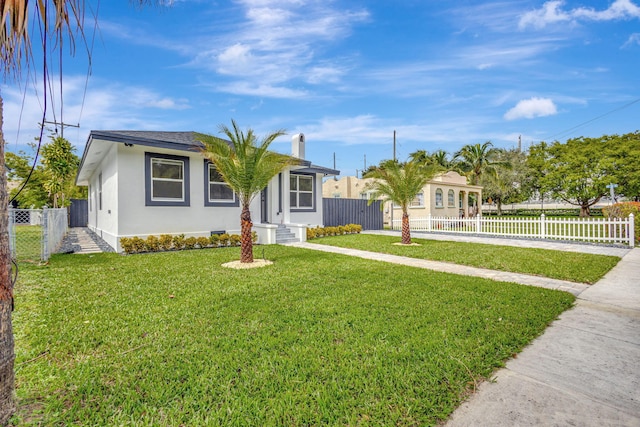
<point x="7" y="354"/>
<point x="246" y="242"/>
<point x="406" y="231"/>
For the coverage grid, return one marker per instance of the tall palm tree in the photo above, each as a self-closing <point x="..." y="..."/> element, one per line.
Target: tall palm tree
<point x="475" y="160"/>
<point x="247" y="166"/>
<point x="58" y="18"/>
<point x="400" y="183"/>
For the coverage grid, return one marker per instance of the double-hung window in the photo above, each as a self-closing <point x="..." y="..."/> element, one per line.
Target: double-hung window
<point x="166" y="180"/>
<point x="451" y="199"/>
<point x="418" y="201"/>
<point x="217" y="191"/>
<point x="439" y="201"/>
<point x="301" y="192"/>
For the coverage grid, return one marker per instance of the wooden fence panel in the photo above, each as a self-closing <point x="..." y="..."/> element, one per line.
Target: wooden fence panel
<point x="352" y="211"/>
<point x="78" y="213"/>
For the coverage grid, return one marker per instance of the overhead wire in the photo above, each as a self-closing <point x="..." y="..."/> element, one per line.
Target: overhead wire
<point x="567" y="131"/>
<point x="44" y="107"/>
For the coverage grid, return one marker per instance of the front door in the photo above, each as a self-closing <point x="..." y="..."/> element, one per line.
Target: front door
<point x="264" y="213"/>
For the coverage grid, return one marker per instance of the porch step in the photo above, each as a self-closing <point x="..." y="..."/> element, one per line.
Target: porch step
<point x="284" y="235"/>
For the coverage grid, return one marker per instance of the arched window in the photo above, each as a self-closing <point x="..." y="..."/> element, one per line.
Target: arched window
<point x="439" y="198"/>
<point x="451" y="199"/>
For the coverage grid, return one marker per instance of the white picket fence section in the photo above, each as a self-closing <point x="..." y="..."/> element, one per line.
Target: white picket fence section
<point x="598" y="230"/>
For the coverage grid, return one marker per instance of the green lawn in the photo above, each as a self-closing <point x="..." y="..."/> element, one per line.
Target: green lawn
<point x="575" y="267"/>
<point x="28" y="242"/>
<point x="172" y="339"/>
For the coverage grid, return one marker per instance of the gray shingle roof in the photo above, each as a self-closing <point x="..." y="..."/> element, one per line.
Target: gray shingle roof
<point x="175" y="140"/>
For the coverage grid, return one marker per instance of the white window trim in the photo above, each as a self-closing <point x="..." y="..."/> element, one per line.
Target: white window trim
<point x="222" y="183"/>
<point x="297" y="191"/>
<point x="180" y="180"/>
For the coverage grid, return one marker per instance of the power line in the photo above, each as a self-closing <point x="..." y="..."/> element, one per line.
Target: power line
<point x="566" y="132"/>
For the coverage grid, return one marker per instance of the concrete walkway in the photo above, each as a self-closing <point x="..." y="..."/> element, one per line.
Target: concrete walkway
<point x="445" y="267"/>
<point x="583" y="371"/>
<point x="80" y="240"/>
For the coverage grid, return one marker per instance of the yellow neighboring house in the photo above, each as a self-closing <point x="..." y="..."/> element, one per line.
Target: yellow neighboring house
<point x="446" y="195"/>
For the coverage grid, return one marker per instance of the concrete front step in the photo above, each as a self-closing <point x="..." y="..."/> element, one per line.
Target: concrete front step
<point x="284" y="235"/>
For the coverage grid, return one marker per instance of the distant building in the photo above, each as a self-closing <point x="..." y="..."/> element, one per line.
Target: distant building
<point x="446" y="195"/>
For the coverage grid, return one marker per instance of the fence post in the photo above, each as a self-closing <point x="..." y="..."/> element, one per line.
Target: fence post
<point x="543" y="231"/>
<point x="632" y="229"/>
<point x="45" y="234"/>
<point x="12" y="233"/>
<point x="478" y="225"/>
<point x="429" y="222"/>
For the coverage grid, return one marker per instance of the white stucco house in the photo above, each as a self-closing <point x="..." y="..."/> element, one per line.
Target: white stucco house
<point x="145" y="183"/>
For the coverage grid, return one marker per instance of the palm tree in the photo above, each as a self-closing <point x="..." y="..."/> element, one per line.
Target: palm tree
<point x="58" y="18"/>
<point x="247" y="167"/>
<point x="475" y="160"/>
<point x="400" y="184"/>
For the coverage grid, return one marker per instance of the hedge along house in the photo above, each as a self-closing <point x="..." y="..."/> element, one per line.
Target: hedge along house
<point x="145" y="183"/>
<point x="445" y="195"/>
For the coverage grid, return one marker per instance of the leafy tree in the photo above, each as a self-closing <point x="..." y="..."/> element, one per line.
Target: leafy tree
<point x="475" y="160"/>
<point x="438" y="157"/>
<point x="19" y="170"/>
<point x="625" y="152"/>
<point x="537" y="164"/>
<point x="399" y="183"/>
<point x="57" y="18"/>
<point x="60" y="169"/>
<point x="507" y="183"/>
<point x="579" y="171"/>
<point x="52" y="181"/>
<point x="247" y="166"/>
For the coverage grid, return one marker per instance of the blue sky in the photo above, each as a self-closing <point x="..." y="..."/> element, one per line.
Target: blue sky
<point x="348" y="73"/>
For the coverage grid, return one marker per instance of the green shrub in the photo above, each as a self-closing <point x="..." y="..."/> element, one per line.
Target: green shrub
<point x="311" y="233"/>
<point x="166" y="242"/>
<point x="234" y="240"/>
<point x="224" y="239"/>
<point x="623" y="210"/>
<point x="126" y="244"/>
<point x="316" y="232"/>
<point x="152" y="244"/>
<point x="203" y="241"/>
<point x="138" y="244"/>
<point x="254" y="237"/>
<point x="178" y="241"/>
<point x="190" y="242"/>
<point x="215" y="240"/>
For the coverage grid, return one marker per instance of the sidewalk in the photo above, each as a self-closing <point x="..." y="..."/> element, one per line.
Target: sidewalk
<point x="583" y="371"/>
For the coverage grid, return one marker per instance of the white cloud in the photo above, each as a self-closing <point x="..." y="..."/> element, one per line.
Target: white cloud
<point x="265" y="90"/>
<point x="105" y="106"/>
<point x="634" y="39"/>
<point x="277" y="45"/>
<point x="551" y="13"/>
<point x="531" y="108"/>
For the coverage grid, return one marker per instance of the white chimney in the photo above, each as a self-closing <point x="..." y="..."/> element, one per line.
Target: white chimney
<point x="297" y="146"/>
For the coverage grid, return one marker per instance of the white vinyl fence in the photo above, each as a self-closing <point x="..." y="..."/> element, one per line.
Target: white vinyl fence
<point x="35" y="234"/>
<point x="599" y="230"/>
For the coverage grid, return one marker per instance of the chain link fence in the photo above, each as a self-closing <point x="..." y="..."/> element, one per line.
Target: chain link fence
<point x="35" y="234"/>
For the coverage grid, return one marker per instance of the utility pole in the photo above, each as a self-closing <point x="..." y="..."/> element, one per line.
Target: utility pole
<point x="394" y="145"/>
<point x="365" y="163"/>
<point x="394" y="159"/>
<point x="62" y="126"/>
